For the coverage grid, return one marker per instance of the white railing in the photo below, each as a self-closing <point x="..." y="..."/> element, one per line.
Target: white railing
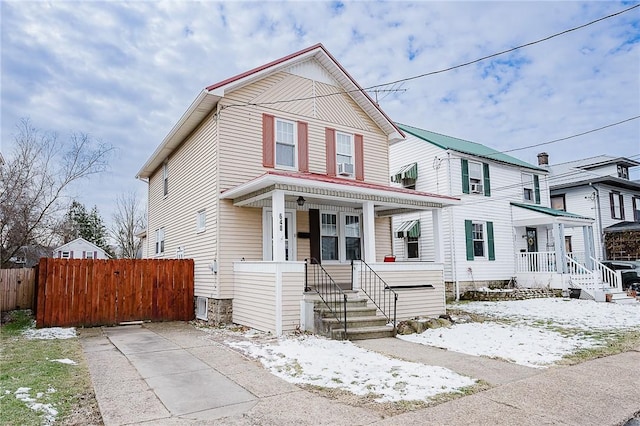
<point x="610" y="278"/>
<point x="581" y="276"/>
<point x="578" y="256"/>
<point x="538" y="261"/>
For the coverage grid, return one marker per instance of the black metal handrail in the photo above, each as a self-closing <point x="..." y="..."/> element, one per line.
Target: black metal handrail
<point x="331" y="294"/>
<point x="378" y="291"/>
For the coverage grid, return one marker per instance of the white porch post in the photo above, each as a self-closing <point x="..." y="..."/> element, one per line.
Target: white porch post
<point x="369" y="232"/>
<point x="589" y="252"/>
<point x="558" y="237"/>
<point x="277" y="206"/>
<point x="438" y="236"/>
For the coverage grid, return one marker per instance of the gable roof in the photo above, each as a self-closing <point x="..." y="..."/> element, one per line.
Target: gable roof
<point x="80" y="240"/>
<point x="590" y="171"/>
<point x="465" y="147"/>
<point x="549" y="211"/>
<point x="208" y="98"/>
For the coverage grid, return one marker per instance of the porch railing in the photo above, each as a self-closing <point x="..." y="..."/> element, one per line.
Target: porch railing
<point x="610" y="278"/>
<point x="580" y="275"/>
<point x="317" y="279"/>
<point x="578" y="256"/>
<point x="378" y="291"/>
<point x="540" y="261"/>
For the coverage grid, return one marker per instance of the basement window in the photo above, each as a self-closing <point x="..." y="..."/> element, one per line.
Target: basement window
<point x="202" y="306"/>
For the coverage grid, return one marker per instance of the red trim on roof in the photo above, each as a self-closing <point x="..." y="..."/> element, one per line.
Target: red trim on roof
<point x="299" y="53"/>
<point x="315" y="177"/>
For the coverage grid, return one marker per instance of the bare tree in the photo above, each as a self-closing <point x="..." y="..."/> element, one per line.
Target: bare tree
<point x="128" y="221"/>
<point x="33" y="182"/>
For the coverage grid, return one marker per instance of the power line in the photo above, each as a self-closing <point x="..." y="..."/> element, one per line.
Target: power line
<point x="508" y="50"/>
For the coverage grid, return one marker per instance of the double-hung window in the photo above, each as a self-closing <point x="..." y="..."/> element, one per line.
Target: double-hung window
<point x="636" y="209"/>
<point x="413" y="247"/>
<point x="285" y="144"/>
<point x="558" y="202"/>
<point x="165" y="178"/>
<point x="352" y="237"/>
<point x="478" y="239"/>
<point x="66" y="255"/>
<point x="159" y="240"/>
<point x="475" y="178"/>
<point x="527" y="187"/>
<point x="617" y="205"/>
<point x="329" y="232"/>
<point x="345" y="154"/>
<point x="623" y="172"/>
<point x="88" y="255"/>
<point x="201" y="221"/>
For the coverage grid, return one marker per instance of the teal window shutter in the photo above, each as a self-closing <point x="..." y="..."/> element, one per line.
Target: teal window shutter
<point x="490" y="243"/>
<point x="468" y="234"/>
<point x="465" y="176"/>
<point x="536" y="188"/>
<point x="487" y="183"/>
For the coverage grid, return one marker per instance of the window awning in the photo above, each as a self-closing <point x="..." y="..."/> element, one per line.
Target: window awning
<point x="410" y="228"/>
<point x="409" y="171"/>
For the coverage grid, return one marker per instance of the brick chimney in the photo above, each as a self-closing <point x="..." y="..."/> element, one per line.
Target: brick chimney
<point x="543" y="159"/>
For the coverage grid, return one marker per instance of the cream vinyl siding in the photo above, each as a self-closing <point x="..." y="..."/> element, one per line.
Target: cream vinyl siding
<point x="192" y="172"/>
<point x="303" y="244"/>
<point x="413" y="302"/>
<point x="383" y="238"/>
<point x="340" y="273"/>
<point x="254" y="304"/>
<point x="292" y="290"/>
<point x="240" y="237"/>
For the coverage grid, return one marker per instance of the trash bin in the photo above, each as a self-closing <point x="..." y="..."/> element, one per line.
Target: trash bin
<point x="575" y="293"/>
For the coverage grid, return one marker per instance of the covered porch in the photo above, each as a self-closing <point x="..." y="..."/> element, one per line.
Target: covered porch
<point x="546" y="257"/>
<point x="315" y="222"/>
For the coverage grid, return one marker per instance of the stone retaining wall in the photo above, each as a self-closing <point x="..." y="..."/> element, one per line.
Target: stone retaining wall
<point x="510" y="294"/>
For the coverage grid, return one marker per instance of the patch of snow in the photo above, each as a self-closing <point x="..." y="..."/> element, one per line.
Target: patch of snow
<point x="49" y="411"/>
<point x="565" y="313"/>
<point x="65" y="361"/>
<point x="50" y="333"/>
<point x="495" y="290"/>
<point x="521" y="344"/>
<point x="51" y="390"/>
<point x="340" y="364"/>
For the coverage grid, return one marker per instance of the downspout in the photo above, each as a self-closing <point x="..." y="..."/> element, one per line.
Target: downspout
<point x="599" y="217"/>
<point x="216" y="138"/>
<point x="452" y="240"/>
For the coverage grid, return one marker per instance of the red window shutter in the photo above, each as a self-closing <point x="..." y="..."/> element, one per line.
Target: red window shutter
<point x="359" y="152"/>
<point x="268" y="140"/>
<point x="303" y="147"/>
<point x="330" y="139"/>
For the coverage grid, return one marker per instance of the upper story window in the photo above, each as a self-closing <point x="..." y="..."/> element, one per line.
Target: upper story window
<point x="623" y="172"/>
<point x="558" y="202"/>
<point x="285" y="140"/>
<point x="65" y="255"/>
<point x="159" y="240"/>
<point x="345" y="154"/>
<point x="527" y="187"/>
<point x="475" y="178"/>
<point x="617" y="205"/>
<point x="636" y="209"/>
<point x="407" y="176"/>
<point x="165" y="178"/>
<point x="88" y="255"/>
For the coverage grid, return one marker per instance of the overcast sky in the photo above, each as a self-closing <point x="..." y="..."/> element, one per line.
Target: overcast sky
<point x="124" y="72"/>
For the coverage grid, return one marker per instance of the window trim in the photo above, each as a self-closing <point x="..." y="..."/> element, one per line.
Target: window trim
<point x="636" y="208"/>
<point x="406" y="246"/>
<point x="160" y="241"/>
<point x="352" y="154"/>
<point x="201" y="221"/>
<point x="165" y="178"/>
<point x="480" y="179"/>
<point x="341" y="223"/>
<point x="623" y="171"/>
<point x="294" y="126"/>
<point x="483" y="239"/>
<point x="525" y="187"/>
<point x="620" y="211"/>
<point x="564" y="201"/>
<point x="65" y="254"/>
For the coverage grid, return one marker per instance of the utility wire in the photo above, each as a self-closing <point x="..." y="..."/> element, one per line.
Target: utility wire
<point x="508" y="50"/>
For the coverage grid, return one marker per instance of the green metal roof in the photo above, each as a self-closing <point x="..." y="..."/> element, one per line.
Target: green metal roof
<point x="550" y="211"/>
<point x="466" y="147"/>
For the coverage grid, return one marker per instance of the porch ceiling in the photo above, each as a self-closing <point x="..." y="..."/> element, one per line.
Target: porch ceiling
<point x="319" y="190"/>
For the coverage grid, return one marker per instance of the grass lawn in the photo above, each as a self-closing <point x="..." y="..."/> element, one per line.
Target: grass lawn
<point x="57" y="392"/>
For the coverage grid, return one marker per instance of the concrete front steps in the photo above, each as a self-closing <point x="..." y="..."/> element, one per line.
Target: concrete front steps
<point x="621" y="297"/>
<point x="362" y="322"/>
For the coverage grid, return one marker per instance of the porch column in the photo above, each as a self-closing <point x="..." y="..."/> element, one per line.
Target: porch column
<point x="589" y="252"/>
<point x="438" y="236"/>
<point x="277" y="206"/>
<point x="369" y="232"/>
<point x="558" y="237"/>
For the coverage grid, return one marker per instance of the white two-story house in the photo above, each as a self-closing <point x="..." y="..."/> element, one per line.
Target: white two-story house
<point x="600" y="187"/>
<point x="503" y="231"/>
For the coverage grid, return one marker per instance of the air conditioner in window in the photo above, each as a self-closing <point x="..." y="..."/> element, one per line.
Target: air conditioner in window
<point x="476" y="188"/>
<point x="345" y="169"/>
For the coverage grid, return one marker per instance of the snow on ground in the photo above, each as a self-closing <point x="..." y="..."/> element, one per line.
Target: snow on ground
<point x="49" y="411"/>
<point x="50" y="333"/>
<point x="340" y="364"/>
<point x="565" y="313"/>
<point x="65" y="361"/>
<point x="521" y="344"/>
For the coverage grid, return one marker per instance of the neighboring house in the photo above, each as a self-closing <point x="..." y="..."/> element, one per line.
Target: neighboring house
<point x="80" y="249"/>
<point x="282" y="163"/>
<point x="28" y="256"/>
<point x="504" y="229"/>
<point x="600" y="187"/>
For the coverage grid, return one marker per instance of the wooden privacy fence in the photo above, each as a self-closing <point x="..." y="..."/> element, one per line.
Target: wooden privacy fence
<point x="83" y="292"/>
<point x="17" y="289"/>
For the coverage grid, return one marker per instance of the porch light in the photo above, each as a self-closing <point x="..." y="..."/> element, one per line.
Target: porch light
<point x="300" y="201"/>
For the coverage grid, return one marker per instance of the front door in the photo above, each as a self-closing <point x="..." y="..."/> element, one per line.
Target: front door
<point x="532" y="240"/>
<point x="289" y="239"/>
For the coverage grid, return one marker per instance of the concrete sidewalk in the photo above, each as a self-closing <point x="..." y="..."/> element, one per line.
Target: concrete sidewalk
<point x="173" y="374"/>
